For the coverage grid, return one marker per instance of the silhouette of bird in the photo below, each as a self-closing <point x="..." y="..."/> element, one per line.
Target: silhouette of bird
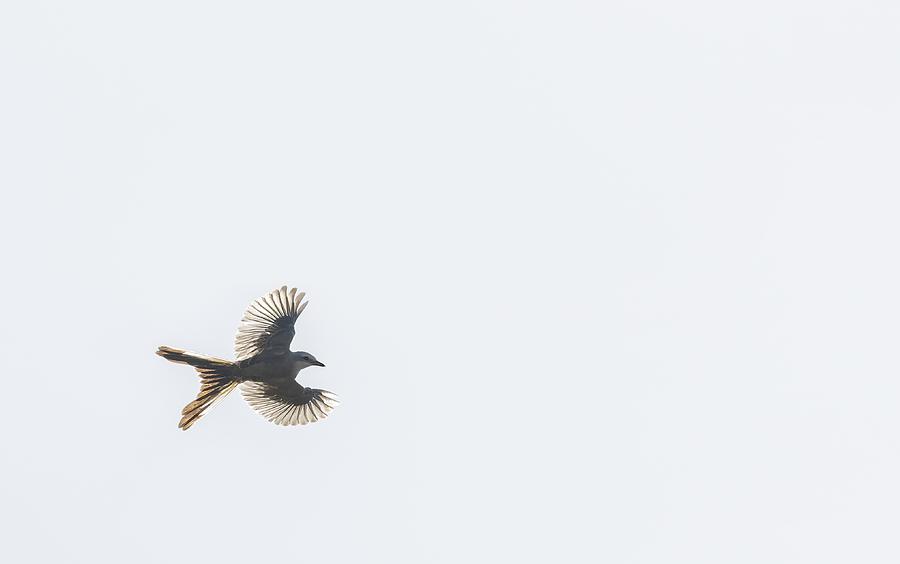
<point x="265" y="367"/>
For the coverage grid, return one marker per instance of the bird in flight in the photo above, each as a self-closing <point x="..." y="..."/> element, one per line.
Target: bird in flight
<point x="265" y="367"/>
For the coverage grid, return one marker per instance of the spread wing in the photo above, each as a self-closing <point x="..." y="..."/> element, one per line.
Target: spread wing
<point x="289" y="403"/>
<point x="268" y="325"/>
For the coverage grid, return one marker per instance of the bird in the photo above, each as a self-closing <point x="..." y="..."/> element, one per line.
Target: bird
<point x="265" y="368"/>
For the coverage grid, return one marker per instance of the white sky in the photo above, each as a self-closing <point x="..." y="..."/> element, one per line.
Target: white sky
<point x="595" y="281"/>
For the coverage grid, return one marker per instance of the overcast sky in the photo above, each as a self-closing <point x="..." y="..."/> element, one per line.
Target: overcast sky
<point x="596" y="281"/>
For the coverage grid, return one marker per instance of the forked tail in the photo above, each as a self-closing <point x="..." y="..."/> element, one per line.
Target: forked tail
<point x="217" y="379"/>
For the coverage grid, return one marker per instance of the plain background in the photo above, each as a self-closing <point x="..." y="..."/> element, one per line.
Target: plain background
<point x="595" y="281"/>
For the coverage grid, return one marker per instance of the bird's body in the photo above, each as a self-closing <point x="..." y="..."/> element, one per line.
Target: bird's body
<point x="262" y="369"/>
<point x="266" y="368"/>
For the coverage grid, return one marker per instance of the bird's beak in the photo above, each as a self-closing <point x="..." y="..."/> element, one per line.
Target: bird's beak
<point x="317" y="363"/>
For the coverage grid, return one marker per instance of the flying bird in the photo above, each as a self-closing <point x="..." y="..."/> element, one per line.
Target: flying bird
<point x="265" y="367"/>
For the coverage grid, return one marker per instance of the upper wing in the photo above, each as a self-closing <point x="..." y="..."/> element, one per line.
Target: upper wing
<point x="268" y="325"/>
<point x="289" y="403"/>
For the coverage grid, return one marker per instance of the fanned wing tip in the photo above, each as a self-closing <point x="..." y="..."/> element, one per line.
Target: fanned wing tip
<point x="284" y="301"/>
<point x="284" y="408"/>
<point x="330" y="397"/>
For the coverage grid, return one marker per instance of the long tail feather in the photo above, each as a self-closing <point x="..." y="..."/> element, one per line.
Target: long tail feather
<point x="217" y="380"/>
<point x="212" y="389"/>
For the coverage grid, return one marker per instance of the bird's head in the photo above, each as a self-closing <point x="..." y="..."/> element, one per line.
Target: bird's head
<point x="304" y="359"/>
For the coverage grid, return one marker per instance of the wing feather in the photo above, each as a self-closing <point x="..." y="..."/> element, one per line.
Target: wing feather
<point x="267" y="327"/>
<point x="289" y="403"/>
